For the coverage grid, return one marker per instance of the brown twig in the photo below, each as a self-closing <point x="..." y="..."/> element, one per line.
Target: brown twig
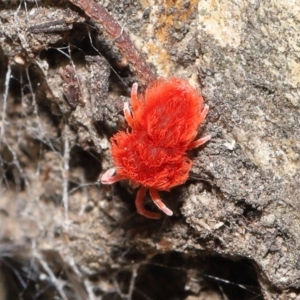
<point x="101" y="18"/>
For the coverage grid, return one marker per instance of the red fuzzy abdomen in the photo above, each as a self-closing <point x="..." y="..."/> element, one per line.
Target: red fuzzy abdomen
<point x="139" y="159"/>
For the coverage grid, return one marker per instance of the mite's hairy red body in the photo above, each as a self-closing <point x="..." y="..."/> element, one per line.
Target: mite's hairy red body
<point x="164" y="123"/>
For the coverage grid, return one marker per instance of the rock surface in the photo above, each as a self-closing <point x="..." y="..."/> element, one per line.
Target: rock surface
<point x="63" y="82"/>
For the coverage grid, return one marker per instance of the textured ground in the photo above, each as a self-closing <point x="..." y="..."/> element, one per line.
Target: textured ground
<point x="64" y="78"/>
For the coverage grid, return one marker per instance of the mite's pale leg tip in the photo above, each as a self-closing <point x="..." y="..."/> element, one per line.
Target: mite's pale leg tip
<point x="126" y="107"/>
<point x="135" y="86"/>
<point x="205" y="109"/>
<point x="208" y="137"/>
<point x="134" y="91"/>
<point x="167" y="211"/>
<point x="164" y="208"/>
<point x="107" y="177"/>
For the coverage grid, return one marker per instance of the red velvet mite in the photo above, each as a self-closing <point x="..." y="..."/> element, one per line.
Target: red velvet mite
<point x="152" y="155"/>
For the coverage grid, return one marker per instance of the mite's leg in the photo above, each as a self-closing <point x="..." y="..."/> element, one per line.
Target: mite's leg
<point x="204" y="113"/>
<point x="199" y="142"/>
<point x="108" y="178"/>
<point x="134" y="104"/>
<point x="139" y="203"/>
<point x="156" y="199"/>
<point x="127" y="114"/>
<point x="134" y="96"/>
